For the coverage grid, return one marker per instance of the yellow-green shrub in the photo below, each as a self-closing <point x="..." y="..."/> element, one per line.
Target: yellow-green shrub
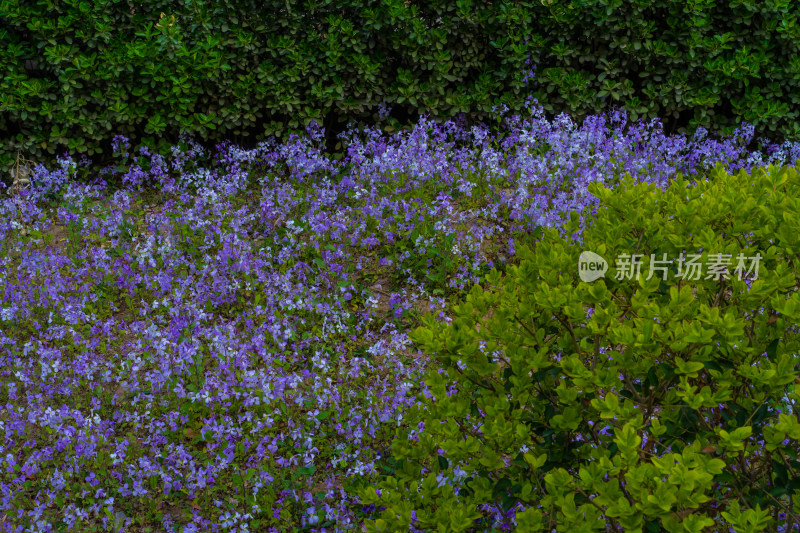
<point x="693" y="378"/>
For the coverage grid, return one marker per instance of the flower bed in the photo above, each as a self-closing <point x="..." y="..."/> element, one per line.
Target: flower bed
<point x="220" y="343"/>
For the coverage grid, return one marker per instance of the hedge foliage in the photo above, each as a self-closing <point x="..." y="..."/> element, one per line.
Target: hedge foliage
<point x="661" y="404"/>
<point x="77" y="72"/>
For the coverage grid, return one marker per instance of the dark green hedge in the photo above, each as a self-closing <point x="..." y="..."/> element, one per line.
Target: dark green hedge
<point x="77" y="72"/>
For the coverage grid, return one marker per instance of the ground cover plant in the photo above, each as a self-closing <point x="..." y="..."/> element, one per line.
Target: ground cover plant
<point x="219" y="341"/>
